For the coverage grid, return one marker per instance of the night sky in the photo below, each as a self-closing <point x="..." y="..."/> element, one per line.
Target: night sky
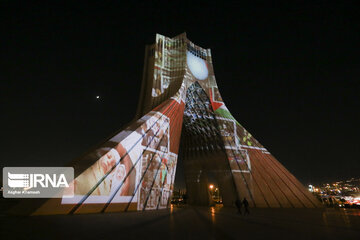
<point x="288" y="73"/>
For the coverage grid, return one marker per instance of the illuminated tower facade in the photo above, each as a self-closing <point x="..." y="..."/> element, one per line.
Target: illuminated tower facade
<point x="180" y="108"/>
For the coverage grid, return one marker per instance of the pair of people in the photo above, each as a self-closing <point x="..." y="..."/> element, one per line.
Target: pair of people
<point x="239" y="204"/>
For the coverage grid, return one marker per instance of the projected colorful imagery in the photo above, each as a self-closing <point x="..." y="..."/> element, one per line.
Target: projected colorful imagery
<point x="179" y="105"/>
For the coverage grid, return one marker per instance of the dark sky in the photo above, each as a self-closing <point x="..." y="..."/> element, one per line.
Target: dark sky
<point x="288" y="73"/>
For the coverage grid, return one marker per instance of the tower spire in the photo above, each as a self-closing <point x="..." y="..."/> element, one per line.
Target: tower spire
<point x="179" y="99"/>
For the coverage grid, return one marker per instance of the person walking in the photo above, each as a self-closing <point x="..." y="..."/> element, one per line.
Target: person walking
<point x="238" y="204"/>
<point x="246" y="206"/>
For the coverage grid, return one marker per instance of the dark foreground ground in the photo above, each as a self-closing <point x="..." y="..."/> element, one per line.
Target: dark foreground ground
<point x="189" y="223"/>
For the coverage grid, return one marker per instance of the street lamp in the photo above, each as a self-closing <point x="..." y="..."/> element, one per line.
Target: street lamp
<point x="211" y="187"/>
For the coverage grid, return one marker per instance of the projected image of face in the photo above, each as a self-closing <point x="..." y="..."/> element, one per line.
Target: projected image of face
<point x="108" y="161"/>
<point x="85" y="181"/>
<point x="116" y="177"/>
<point x="197" y="66"/>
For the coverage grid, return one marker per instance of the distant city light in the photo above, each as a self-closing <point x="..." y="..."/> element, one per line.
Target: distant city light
<point x="341" y="193"/>
<point x="211" y="186"/>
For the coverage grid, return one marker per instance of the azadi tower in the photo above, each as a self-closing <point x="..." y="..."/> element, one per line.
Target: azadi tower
<point x="180" y="105"/>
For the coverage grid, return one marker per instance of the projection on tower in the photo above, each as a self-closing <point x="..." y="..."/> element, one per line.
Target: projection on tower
<point x="179" y="105"/>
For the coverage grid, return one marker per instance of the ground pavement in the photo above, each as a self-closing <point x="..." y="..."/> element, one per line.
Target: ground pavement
<point x="188" y="222"/>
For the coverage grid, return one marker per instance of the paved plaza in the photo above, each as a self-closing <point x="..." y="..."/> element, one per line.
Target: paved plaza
<point x="189" y="223"/>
